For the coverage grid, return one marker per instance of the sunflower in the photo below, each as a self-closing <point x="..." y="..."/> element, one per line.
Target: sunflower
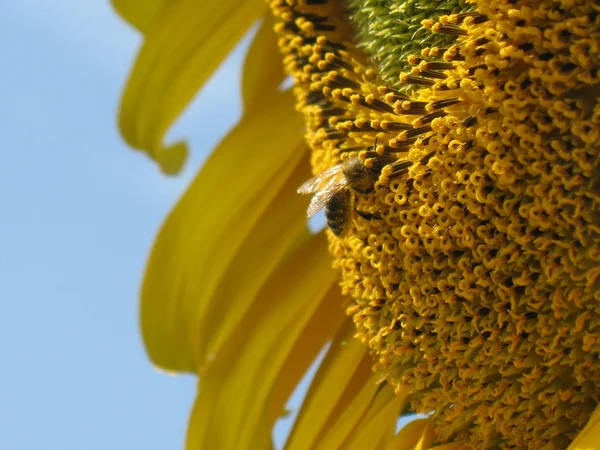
<point x="454" y="146"/>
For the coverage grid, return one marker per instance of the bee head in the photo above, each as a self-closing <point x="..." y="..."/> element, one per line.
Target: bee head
<point x="361" y="178"/>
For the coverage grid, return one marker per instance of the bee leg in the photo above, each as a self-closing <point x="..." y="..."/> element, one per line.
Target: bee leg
<point x="368" y="216"/>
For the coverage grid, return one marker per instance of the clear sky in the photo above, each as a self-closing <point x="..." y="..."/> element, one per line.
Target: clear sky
<point x="79" y="213"/>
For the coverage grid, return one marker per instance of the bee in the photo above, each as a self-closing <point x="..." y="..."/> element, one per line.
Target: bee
<point x="331" y="189"/>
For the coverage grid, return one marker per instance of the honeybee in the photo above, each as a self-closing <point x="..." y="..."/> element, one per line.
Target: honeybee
<point x="331" y="189"/>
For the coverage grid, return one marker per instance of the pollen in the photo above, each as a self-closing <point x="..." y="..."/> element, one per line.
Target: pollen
<point x="475" y="283"/>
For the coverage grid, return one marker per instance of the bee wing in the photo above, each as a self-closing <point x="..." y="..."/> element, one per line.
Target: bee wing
<point x="324" y="195"/>
<point x="321" y="181"/>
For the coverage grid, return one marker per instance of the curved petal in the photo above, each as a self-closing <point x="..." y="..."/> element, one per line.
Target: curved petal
<point x="416" y="435"/>
<point x="323" y="326"/>
<point x="178" y="55"/>
<point x="263" y="68"/>
<point x="139" y="13"/>
<point x="345" y="406"/>
<point x="376" y="427"/>
<point x="280" y="228"/>
<point x="203" y="233"/>
<point x="589" y="437"/>
<point x="324" y="323"/>
<point x="234" y="391"/>
<point x="368" y="421"/>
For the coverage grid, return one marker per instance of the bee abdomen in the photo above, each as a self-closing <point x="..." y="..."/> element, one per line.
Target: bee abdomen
<point x="336" y="212"/>
<point x="336" y="227"/>
<point x="333" y="215"/>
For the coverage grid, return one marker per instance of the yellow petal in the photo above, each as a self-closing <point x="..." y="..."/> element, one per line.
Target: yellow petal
<point x="375" y="426"/>
<point x="343" y="372"/>
<point x="172" y="157"/>
<point x="589" y="437"/>
<point x="263" y="68"/>
<point x="201" y="236"/>
<point x="324" y="324"/>
<point x="290" y="353"/>
<point x="281" y="227"/>
<point x="416" y="435"/>
<point x="139" y="13"/>
<point x="178" y="55"/>
<point x="345" y="406"/>
<point x="234" y="393"/>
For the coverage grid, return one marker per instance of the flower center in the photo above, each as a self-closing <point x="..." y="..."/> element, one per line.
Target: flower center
<point x="474" y="275"/>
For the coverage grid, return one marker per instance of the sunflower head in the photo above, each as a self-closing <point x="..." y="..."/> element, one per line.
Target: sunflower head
<point x="474" y="272"/>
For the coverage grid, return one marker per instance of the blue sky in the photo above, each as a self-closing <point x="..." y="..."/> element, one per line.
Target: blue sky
<point x="80" y="211"/>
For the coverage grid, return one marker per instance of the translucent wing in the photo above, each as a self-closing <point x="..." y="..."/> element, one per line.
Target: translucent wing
<point x="322" y="197"/>
<point x="322" y="180"/>
<point x="325" y="185"/>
